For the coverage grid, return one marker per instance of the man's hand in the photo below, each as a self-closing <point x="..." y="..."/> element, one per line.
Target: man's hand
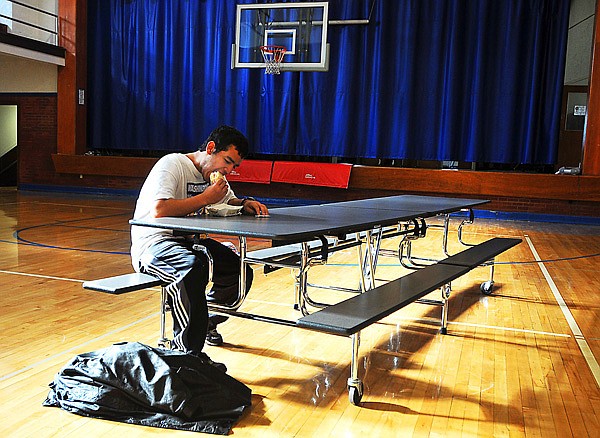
<point x="215" y="192"/>
<point x="255" y="207"/>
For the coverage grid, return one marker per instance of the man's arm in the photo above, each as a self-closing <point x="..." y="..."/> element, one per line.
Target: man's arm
<point x="182" y="207"/>
<point x="251" y="205"/>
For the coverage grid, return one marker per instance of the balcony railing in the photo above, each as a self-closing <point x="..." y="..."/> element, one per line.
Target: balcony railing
<point x="38" y="22"/>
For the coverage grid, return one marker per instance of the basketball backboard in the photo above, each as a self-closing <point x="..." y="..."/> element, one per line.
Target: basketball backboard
<point x="299" y="27"/>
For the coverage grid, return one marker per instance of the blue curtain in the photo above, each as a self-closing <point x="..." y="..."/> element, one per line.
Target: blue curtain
<point x="458" y="80"/>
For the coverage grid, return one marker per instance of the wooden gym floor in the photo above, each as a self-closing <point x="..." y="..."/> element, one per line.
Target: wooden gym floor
<point x="522" y="362"/>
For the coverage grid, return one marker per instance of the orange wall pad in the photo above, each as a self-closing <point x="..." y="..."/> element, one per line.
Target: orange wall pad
<point x="252" y="171"/>
<point x="313" y="174"/>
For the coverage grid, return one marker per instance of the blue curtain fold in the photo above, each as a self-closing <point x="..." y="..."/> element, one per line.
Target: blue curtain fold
<point x="452" y="80"/>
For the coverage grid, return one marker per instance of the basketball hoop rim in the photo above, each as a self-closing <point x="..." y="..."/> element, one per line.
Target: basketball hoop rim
<point x="272" y="49"/>
<point x="273" y="55"/>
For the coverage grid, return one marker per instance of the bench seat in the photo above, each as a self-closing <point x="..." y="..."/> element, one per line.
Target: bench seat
<point x="121" y="284"/>
<point x="289" y="255"/>
<point x="362" y="310"/>
<point x="481" y="253"/>
<point x="354" y="314"/>
<point x="283" y="251"/>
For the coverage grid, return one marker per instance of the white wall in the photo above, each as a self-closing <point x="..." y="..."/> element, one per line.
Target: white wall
<point x="8" y="128"/>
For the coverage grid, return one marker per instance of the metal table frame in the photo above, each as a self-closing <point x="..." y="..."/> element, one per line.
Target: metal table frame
<point x="370" y="220"/>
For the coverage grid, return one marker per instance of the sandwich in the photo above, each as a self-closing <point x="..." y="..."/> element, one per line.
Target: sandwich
<point x="216" y="176"/>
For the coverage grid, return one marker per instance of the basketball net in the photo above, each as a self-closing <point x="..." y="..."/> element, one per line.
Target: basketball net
<point x="273" y="55"/>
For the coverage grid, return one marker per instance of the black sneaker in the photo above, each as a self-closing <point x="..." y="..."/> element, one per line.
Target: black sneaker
<point x="218" y="365"/>
<point x="214" y="338"/>
<point x="214" y="320"/>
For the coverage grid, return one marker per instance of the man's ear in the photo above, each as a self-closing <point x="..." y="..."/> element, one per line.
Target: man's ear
<point x="210" y="147"/>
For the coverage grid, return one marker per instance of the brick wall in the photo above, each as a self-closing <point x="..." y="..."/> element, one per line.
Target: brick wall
<point x="37" y="138"/>
<point x="36" y="135"/>
<point x="37" y="141"/>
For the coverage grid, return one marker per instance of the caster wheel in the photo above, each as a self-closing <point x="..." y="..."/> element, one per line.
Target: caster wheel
<point x="355" y="394"/>
<point x="486" y="287"/>
<point x="164" y="343"/>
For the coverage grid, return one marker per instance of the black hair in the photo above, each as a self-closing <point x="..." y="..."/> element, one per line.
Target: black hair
<point x="225" y="136"/>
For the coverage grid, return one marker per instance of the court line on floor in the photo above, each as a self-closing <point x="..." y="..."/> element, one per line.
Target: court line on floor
<point x="577" y="333"/>
<point x="500" y="328"/>
<point x="280" y="304"/>
<point x="95" y="207"/>
<point x="250" y="300"/>
<point x="76" y="348"/>
<point x="48" y="277"/>
<point x="435" y="321"/>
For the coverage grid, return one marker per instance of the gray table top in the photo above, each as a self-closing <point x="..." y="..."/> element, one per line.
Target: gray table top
<point x="423" y="206"/>
<point x="311" y="221"/>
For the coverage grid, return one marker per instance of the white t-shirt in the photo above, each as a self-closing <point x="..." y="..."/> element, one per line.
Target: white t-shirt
<point x="174" y="176"/>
